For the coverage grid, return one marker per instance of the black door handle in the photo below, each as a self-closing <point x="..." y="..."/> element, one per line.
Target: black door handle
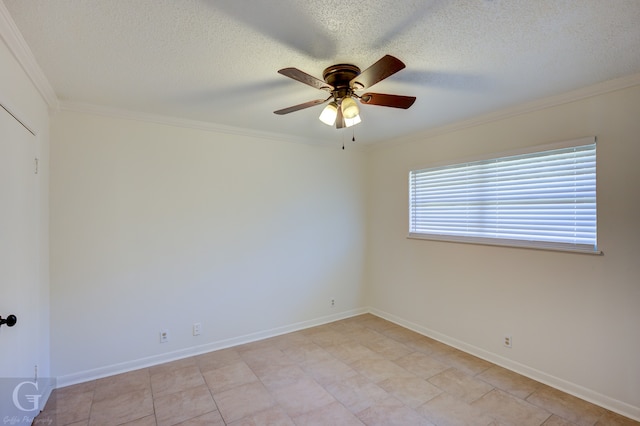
<point x="11" y="320"/>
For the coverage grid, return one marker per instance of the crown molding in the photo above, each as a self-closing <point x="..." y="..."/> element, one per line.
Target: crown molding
<point x="21" y="51"/>
<point x="537" y="105"/>
<point x="87" y="108"/>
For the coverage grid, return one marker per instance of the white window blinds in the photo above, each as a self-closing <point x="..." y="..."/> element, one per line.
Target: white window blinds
<point x="544" y="199"/>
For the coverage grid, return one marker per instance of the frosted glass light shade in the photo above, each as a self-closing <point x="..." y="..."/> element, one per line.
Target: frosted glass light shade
<point x="348" y="122"/>
<point x="329" y="114"/>
<point x="349" y="108"/>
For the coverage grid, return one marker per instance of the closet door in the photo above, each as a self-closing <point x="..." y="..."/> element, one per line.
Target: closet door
<point x="19" y="292"/>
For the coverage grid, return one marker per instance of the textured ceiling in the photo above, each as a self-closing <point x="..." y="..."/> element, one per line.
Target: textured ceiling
<point x="216" y="60"/>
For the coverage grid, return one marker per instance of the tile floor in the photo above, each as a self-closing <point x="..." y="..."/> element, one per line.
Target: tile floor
<point x="362" y="370"/>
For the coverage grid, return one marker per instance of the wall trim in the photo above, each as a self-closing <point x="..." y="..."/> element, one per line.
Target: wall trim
<point x="576" y="390"/>
<point x="524" y="108"/>
<point x="23" y="54"/>
<point x="124" y="367"/>
<point x="87" y="108"/>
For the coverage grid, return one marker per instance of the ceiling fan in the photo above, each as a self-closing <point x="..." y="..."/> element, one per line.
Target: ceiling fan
<point x="342" y="81"/>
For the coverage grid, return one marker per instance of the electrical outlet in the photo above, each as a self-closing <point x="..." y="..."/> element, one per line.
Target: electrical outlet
<point x="164" y="336"/>
<point x="507" y="341"/>
<point x="197" y="328"/>
<point x="333" y="303"/>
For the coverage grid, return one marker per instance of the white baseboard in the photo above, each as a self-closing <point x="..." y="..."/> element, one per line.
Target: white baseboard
<point x="581" y="392"/>
<point x="124" y="367"/>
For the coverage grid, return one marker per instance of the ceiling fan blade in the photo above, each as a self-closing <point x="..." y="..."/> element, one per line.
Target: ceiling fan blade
<point x="340" y="119"/>
<point x="300" y="106"/>
<point x="386" y="66"/>
<point x="305" y="78"/>
<point x="394" y="101"/>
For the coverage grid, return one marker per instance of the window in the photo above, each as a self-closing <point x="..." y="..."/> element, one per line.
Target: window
<point x="540" y="199"/>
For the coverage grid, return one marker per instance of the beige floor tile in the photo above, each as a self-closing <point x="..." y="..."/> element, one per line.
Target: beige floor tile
<point x="365" y="335"/>
<point x="511" y="410"/>
<point x="328" y="338"/>
<point x="68" y="406"/>
<point x="429" y="346"/>
<point x="446" y="410"/>
<point x="388" y="348"/>
<point x="301" y="397"/>
<point x="177" y="407"/>
<point x="242" y="401"/>
<point x="280" y="376"/>
<point x="557" y="421"/>
<point x="121" y="408"/>
<point x="307" y="354"/>
<point x="332" y="414"/>
<point x="254" y="346"/>
<point x="317" y="329"/>
<point x="274" y="416"/>
<point x="329" y="371"/>
<point x="460" y="385"/>
<point x="109" y="387"/>
<point x="291" y="339"/>
<point x="347" y="326"/>
<point x="168" y="381"/>
<point x="613" y="419"/>
<point x="145" y="421"/>
<point x="80" y="423"/>
<point x="351" y="352"/>
<point x="265" y="358"/>
<point x="73" y="389"/>
<point x="422" y="365"/>
<point x="210" y="419"/>
<point x="401" y="334"/>
<point x="412" y="391"/>
<point x="391" y="411"/>
<point x="510" y="382"/>
<point x="378" y="370"/>
<point x="217" y="359"/>
<point x="464" y="362"/>
<point x="45" y="417"/>
<point x="357" y="393"/>
<point x="230" y="376"/>
<point x="566" y="406"/>
<point x="375" y="323"/>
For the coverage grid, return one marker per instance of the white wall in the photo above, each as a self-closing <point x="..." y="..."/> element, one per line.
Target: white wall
<point x="156" y="226"/>
<point x="19" y="95"/>
<point x="574" y="318"/>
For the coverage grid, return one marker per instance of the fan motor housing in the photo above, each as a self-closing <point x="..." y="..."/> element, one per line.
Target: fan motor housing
<point x="340" y="75"/>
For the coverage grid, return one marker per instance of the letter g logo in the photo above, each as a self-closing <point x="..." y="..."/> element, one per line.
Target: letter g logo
<point x="33" y="399"/>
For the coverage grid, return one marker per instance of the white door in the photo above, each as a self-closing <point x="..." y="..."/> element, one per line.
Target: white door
<point x="19" y="292"/>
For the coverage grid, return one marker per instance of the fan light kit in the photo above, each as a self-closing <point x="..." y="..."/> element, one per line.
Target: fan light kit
<point x="329" y="113"/>
<point x="342" y="81"/>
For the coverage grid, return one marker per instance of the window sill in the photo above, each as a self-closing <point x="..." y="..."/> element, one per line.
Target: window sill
<point x="535" y="245"/>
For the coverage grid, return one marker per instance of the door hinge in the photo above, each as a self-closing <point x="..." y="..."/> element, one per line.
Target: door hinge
<point x="36" y="166"/>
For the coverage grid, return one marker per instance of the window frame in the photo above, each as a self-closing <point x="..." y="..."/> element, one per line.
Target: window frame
<point x="505" y="242"/>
